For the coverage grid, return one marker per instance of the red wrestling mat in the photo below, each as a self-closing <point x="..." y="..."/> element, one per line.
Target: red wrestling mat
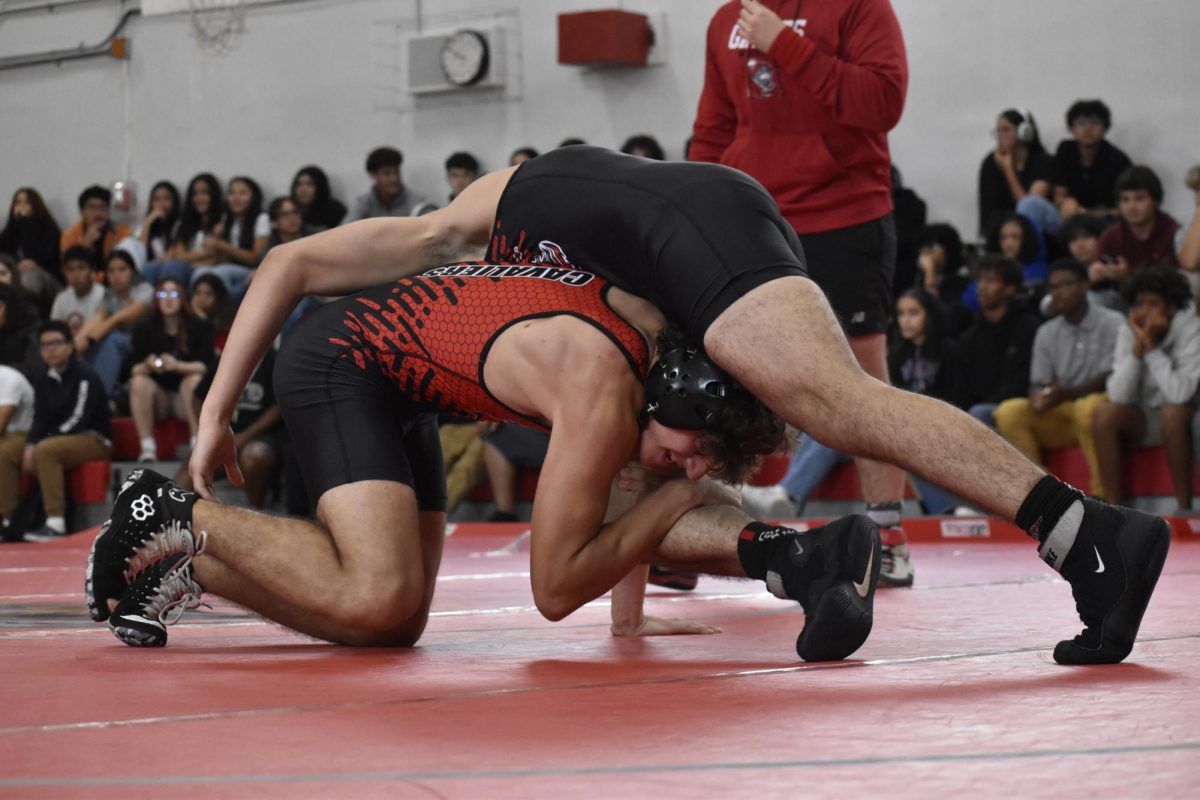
<point x="955" y="694"/>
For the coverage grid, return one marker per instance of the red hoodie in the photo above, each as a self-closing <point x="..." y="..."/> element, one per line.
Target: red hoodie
<point x="814" y="129"/>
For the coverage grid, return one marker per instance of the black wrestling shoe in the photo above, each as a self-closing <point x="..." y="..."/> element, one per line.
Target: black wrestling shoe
<point x="155" y="600"/>
<point x="832" y="571"/>
<point x="151" y="519"/>
<point x="1112" y="567"/>
<point x="670" y="579"/>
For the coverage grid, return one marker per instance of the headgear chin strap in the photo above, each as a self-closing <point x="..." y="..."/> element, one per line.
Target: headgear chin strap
<point x="684" y="390"/>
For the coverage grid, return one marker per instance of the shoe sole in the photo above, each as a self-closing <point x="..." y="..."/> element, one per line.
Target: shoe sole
<point x="98" y="606"/>
<point x="842" y="619"/>
<point x="138" y="638"/>
<point x="1132" y="604"/>
<point x="891" y="583"/>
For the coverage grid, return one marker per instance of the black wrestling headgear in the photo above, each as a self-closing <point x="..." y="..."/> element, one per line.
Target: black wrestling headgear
<point x="684" y="389"/>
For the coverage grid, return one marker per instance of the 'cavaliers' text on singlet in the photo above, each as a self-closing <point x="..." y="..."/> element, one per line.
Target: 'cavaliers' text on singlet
<point x="430" y="335"/>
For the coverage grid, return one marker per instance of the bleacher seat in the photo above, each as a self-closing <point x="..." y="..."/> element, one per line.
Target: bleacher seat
<point x="169" y="434"/>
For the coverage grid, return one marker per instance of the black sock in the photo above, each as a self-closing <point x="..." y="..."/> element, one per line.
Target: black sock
<point x="758" y="543"/>
<point x="1044" y="505"/>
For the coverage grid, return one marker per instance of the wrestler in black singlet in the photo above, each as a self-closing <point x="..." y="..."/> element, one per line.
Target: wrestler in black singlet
<point x="689" y="237"/>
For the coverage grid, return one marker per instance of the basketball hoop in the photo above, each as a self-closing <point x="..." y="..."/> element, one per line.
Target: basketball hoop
<point x="216" y="23"/>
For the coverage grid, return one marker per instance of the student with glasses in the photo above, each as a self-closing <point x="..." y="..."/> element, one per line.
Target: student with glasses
<point x="172" y="350"/>
<point x="70" y="426"/>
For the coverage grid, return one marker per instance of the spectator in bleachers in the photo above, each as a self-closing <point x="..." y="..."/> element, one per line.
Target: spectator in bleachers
<point x="910" y="213"/>
<point x="94" y="230"/>
<point x="461" y="171"/>
<point x="1072" y="359"/>
<point x="18" y="319"/>
<point x="287" y="226"/>
<point x="644" y="145"/>
<point x="105" y="339"/>
<point x="389" y="197"/>
<point x="311" y="194"/>
<point x="240" y="238"/>
<point x="258" y="432"/>
<point x="920" y="361"/>
<point x="1080" y="235"/>
<point x="1145" y="234"/>
<point x="198" y="221"/>
<point x="1189" y="240"/>
<point x="210" y="300"/>
<point x="157" y="231"/>
<point x="941" y="271"/>
<point x="70" y="426"/>
<point x="1017" y="167"/>
<point x="172" y="350"/>
<point x="507" y="449"/>
<point x="1015" y="237"/>
<point x="521" y="155"/>
<point x="992" y="362"/>
<point x="1152" y="388"/>
<point x="16" y="415"/>
<point x="77" y="303"/>
<point x="1086" y="166"/>
<point x="32" y="238"/>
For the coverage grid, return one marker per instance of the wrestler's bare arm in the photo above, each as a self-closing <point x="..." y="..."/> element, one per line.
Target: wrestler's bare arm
<point x="335" y="262"/>
<point x="576" y="557"/>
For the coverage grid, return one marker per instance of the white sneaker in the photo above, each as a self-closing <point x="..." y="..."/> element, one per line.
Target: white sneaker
<point x="147" y="456"/>
<point x="767" y="502"/>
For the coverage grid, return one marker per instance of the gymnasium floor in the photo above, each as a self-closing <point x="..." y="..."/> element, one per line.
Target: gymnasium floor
<point x="955" y="694"/>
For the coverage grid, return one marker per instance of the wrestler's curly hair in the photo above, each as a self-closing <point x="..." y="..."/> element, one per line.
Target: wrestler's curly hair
<point x="745" y="432"/>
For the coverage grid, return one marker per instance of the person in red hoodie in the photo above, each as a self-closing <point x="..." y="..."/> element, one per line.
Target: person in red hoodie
<point x="800" y="95"/>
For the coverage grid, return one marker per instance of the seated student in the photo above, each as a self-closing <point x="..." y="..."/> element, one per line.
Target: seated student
<point x="209" y="300"/>
<point x="258" y="432"/>
<point x="1152" y="388"/>
<point x="461" y="171"/>
<point x="645" y="146"/>
<point x="94" y="230"/>
<point x="1016" y="238"/>
<point x="81" y="299"/>
<point x="1086" y="166"/>
<point x="16" y="415"/>
<point x="388" y="197"/>
<point x="105" y="339"/>
<point x="31" y="237"/>
<point x="1080" y="235"/>
<point x="1189" y="241"/>
<point x="462" y="453"/>
<point x="1072" y="359"/>
<point x="199" y="220"/>
<point x="992" y="362"/>
<point x="910" y="213"/>
<point x="1016" y="168"/>
<point x="241" y="237"/>
<point x="70" y="427"/>
<point x="310" y="192"/>
<point x="157" y="231"/>
<point x="521" y="155"/>
<point x="1145" y="234"/>
<point x="172" y="350"/>
<point x="941" y="271"/>
<point x="18" y="320"/>
<point x="287" y="226"/>
<point x="508" y="448"/>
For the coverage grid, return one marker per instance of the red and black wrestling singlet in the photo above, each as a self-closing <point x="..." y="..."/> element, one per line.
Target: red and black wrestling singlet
<point x="429" y="335"/>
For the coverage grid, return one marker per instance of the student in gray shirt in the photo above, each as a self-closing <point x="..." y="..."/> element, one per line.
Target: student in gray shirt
<point x="1152" y="389"/>
<point x="1072" y="357"/>
<point x="389" y="197"/>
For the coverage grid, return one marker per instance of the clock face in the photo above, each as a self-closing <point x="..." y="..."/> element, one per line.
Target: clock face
<point x="465" y="58"/>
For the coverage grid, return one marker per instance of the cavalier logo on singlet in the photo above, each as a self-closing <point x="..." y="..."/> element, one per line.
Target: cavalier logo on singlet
<point x="739" y="42"/>
<point x="570" y="277"/>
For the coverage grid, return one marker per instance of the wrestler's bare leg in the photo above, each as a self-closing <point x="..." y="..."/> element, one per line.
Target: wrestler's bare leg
<point x="365" y="575"/>
<point x="783" y="343"/>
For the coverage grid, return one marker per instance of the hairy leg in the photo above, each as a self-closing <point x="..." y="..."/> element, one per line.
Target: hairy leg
<point x="364" y="568"/>
<point x="783" y="343"/>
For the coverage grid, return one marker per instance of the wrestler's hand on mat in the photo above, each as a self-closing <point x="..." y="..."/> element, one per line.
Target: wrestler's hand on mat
<point x="658" y="626"/>
<point x="215" y="447"/>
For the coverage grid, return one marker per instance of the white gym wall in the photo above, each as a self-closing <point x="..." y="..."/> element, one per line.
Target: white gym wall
<point x="315" y="82"/>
